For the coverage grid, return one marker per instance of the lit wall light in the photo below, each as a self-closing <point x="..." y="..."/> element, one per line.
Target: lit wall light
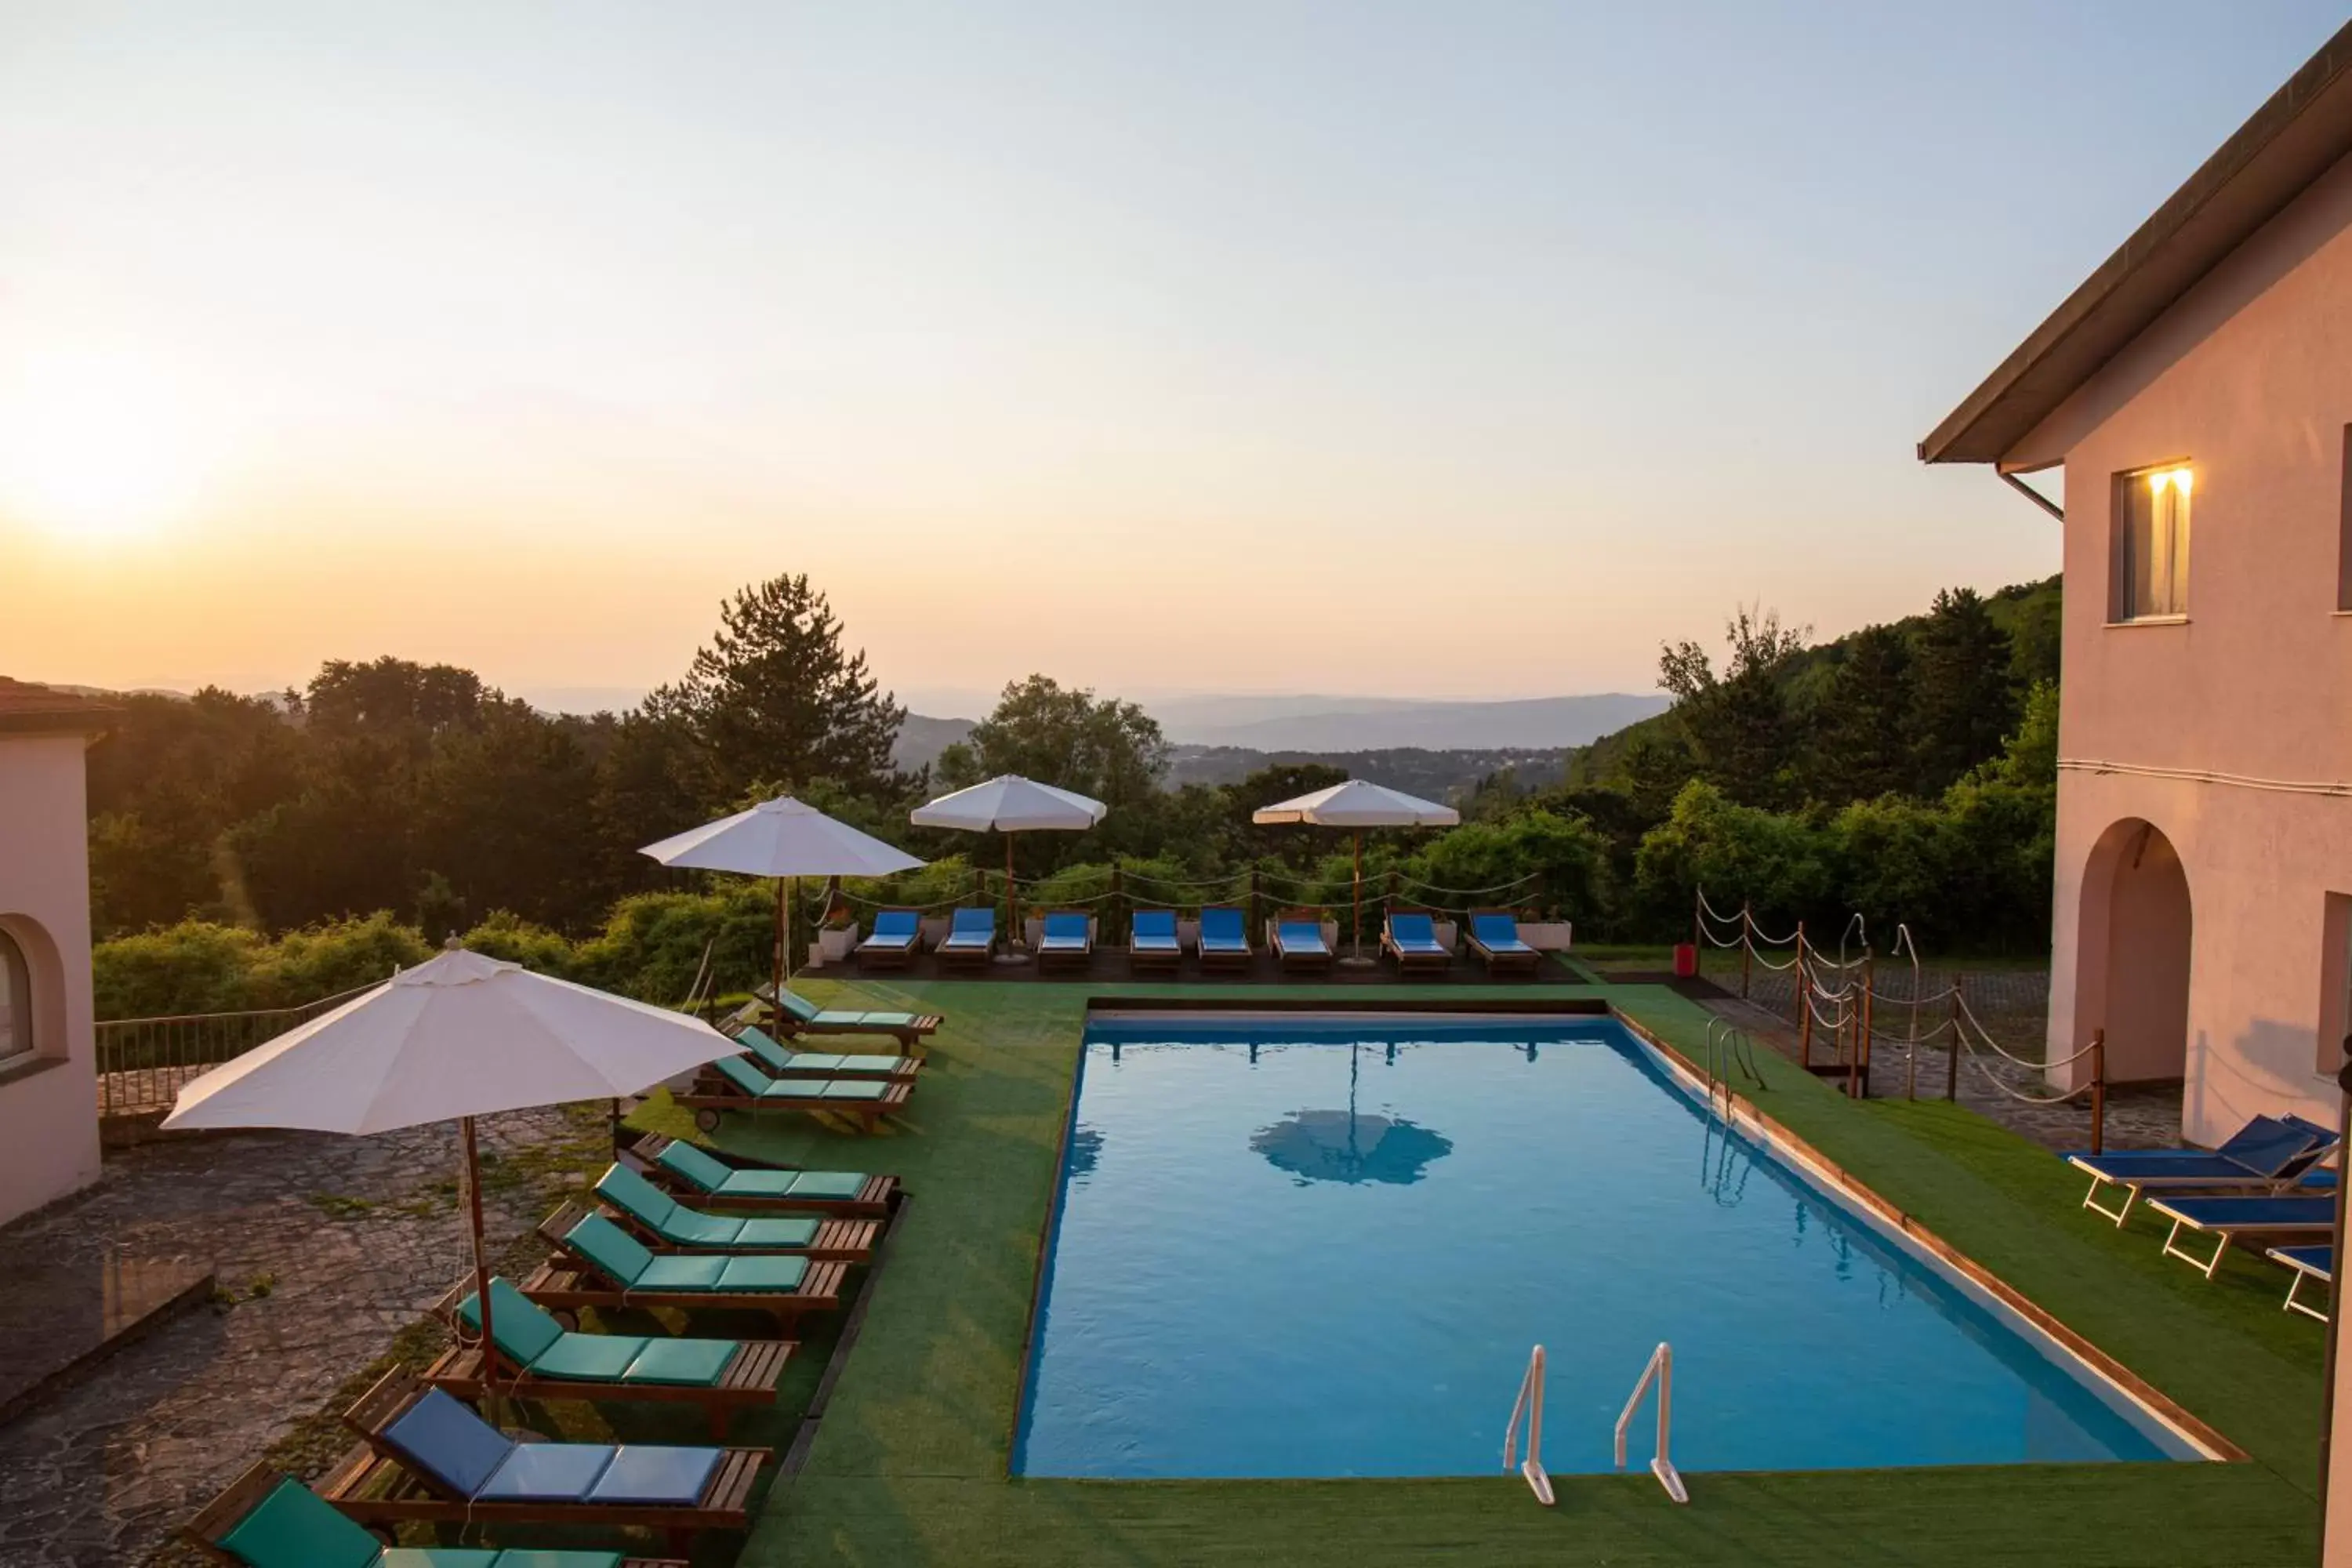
<point x="2177" y="478"/>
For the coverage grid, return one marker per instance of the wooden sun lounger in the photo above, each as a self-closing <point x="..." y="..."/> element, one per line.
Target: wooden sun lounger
<point x="1413" y="960"/>
<point x="871" y="1202"/>
<point x="374" y="1486"/>
<point x="836" y="1240"/>
<point x="212" y="1523"/>
<point x="911" y="1030"/>
<point x="1170" y="957"/>
<point x="572" y="1280"/>
<point x="713" y="1092"/>
<point x="877" y="952"/>
<point x="1211" y="957"/>
<point x="748" y="1381"/>
<point x="1075" y="957"/>
<point x="1504" y="960"/>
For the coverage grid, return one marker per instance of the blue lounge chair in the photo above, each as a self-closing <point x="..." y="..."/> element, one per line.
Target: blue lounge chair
<point x="2231" y="1217"/>
<point x="782" y="1062"/>
<point x="2308" y="1263"/>
<point x="269" y="1519"/>
<point x="1494" y="937"/>
<point x="970" y="939"/>
<point x="2268" y="1153"/>
<point x="668" y="1224"/>
<point x="1068" y="937"/>
<point x="439" y="1462"/>
<point x="896" y="935"/>
<point x="537" y="1358"/>
<point x="1151" y="939"/>
<point x="1410" y="936"/>
<point x="798" y="1016"/>
<point x="1225" y="938"/>
<point x="1298" y="940"/>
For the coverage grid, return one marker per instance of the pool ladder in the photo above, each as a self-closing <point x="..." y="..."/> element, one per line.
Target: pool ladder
<point x="1728" y="1046"/>
<point x="1659" y="1370"/>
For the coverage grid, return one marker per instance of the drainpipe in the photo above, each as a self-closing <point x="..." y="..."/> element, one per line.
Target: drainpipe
<point x="2029" y="493"/>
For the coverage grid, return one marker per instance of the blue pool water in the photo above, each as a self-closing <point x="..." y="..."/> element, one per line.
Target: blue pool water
<point x="1291" y="1248"/>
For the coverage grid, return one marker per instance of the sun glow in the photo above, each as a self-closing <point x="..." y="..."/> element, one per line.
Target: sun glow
<point x="96" y="447"/>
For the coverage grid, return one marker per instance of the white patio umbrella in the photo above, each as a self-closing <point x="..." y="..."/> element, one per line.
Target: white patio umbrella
<point x="786" y="839"/>
<point x="459" y="1037"/>
<point x="1358" y="803"/>
<point x="1010" y="803"/>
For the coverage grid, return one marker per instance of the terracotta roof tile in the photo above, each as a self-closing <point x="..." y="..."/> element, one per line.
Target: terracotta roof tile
<point x="24" y="706"/>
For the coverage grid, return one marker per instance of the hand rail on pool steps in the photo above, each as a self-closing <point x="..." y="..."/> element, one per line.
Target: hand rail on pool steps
<point x="1660" y="1368"/>
<point x="1530" y="1405"/>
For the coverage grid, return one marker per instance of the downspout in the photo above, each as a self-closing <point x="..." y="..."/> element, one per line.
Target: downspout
<point x="2029" y="493"/>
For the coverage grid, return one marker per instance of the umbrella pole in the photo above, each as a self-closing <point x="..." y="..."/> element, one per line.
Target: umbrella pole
<point x="776" y="960"/>
<point x="481" y="1263"/>
<point x="1356" y="932"/>
<point x="1011" y="909"/>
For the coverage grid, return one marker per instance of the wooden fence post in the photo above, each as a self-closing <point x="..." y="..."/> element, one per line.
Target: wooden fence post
<point x="2098" y="1091"/>
<point x="1804" y="1003"/>
<point x="1746" y="945"/>
<point x="1952" y="1063"/>
<point x="1117" y="903"/>
<point x="1862" y="1051"/>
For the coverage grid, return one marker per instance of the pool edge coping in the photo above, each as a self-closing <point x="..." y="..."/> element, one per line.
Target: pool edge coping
<point x="1787" y="1142"/>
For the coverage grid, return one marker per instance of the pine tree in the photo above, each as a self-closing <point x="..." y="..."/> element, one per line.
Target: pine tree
<point x="776" y="696"/>
<point x="1964" y="692"/>
<point x="1865" y="720"/>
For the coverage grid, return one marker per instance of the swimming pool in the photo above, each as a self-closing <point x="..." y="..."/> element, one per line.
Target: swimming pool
<point x="1290" y="1245"/>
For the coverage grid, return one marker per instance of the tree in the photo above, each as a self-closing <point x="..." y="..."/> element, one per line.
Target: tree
<point x="1964" y="696"/>
<point x="1863" y="749"/>
<point x="1064" y="736"/>
<point x="776" y="695"/>
<point x="1738" y="724"/>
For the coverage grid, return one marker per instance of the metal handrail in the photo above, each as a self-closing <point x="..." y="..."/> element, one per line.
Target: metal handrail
<point x="1530" y="1405"/>
<point x="1659" y="1370"/>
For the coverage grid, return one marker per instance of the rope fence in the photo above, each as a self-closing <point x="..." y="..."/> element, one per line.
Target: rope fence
<point x="1847" y="1007"/>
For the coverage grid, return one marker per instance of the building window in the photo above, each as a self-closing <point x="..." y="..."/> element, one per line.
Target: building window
<point x="16" y="1000"/>
<point x="2151" y="552"/>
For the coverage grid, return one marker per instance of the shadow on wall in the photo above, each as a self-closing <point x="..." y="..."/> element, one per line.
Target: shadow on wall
<point x="2265" y="1071"/>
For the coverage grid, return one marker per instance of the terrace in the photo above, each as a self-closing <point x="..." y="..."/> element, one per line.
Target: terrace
<point x="897" y="1434"/>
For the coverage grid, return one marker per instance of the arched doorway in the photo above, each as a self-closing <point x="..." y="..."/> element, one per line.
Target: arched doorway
<point x="2135" y="928"/>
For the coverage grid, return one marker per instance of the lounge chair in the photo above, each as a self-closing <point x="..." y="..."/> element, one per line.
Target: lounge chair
<point x="896" y="936"/>
<point x="664" y="1224"/>
<point x="1410" y="936"/>
<point x="428" y="1458"/>
<point x="742" y="1182"/>
<point x="267" y="1519"/>
<point x="799" y="1016"/>
<point x="1225" y="938"/>
<point x="608" y="1268"/>
<point x="732" y="1083"/>
<point x="2307" y="1263"/>
<point x="782" y="1061"/>
<point x="2231" y="1217"/>
<point x="537" y="1358"/>
<point x="970" y="939"/>
<point x="1151" y="939"/>
<point x="1298" y="939"/>
<point x="2268" y="1153"/>
<point x="1495" y="938"/>
<point x="1066" y="936"/>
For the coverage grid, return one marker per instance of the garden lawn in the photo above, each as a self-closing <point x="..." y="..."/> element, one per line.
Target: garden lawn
<point x="908" y="1467"/>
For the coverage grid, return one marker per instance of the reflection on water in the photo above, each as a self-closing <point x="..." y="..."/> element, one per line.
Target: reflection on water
<point x="1085" y="1152"/>
<point x="1349" y="1146"/>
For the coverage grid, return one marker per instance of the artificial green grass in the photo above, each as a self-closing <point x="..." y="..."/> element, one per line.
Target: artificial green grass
<point x="909" y="1463"/>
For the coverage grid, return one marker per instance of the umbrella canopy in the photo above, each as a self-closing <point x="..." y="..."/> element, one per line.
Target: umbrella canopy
<point x="460" y="1036"/>
<point x="1359" y="802"/>
<point x="782" y="838"/>
<point x="1010" y="803"/>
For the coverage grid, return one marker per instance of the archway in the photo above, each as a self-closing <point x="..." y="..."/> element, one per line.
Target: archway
<point x="2136" y="925"/>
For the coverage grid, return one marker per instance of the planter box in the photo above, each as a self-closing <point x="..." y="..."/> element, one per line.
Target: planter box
<point x="835" y="942"/>
<point x="1547" y="936"/>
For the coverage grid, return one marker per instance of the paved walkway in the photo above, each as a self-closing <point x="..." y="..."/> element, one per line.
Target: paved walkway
<point x="329" y="1246"/>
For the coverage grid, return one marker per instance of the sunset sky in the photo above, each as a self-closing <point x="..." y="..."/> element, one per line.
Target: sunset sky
<point x="1410" y="350"/>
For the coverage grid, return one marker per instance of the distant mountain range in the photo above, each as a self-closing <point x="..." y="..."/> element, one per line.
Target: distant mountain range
<point x="1220" y="738"/>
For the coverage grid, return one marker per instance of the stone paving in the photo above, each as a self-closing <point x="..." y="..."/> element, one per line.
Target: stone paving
<point x="326" y="1247"/>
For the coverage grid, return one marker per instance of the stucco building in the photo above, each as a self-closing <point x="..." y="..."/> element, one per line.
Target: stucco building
<point x="2197" y="392"/>
<point x="49" y="1097"/>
